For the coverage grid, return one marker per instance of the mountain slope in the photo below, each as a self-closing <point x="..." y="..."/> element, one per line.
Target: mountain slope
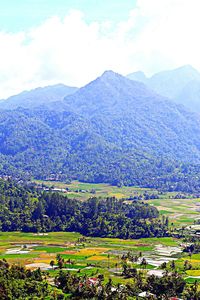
<point x="134" y="117"/>
<point x="37" y="97"/>
<point x="182" y="85"/>
<point x="112" y="130"/>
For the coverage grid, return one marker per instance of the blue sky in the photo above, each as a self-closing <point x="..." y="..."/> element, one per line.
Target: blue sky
<point x="44" y="42"/>
<point x="17" y="15"/>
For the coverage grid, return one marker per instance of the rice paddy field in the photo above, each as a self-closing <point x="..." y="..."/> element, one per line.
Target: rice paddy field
<point x="83" y="191"/>
<point x="94" y="255"/>
<point x="103" y="255"/>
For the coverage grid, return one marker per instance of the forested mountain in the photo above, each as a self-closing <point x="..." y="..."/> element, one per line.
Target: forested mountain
<point x="112" y="130"/>
<point x="182" y="85"/>
<point x="37" y="97"/>
<point x="133" y="117"/>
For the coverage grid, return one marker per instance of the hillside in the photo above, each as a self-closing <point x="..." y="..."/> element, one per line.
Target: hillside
<point x="112" y="130"/>
<point x="182" y="85"/>
<point x="135" y="118"/>
<point x="37" y="97"/>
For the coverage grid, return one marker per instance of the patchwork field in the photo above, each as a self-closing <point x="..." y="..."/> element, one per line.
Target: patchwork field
<point x="180" y="211"/>
<point x="94" y="255"/>
<point x="86" y="190"/>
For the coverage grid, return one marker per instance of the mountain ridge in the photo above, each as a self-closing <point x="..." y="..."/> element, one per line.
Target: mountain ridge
<point x="38" y="96"/>
<point x="112" y="130"/>
<point x="177" y="84"/>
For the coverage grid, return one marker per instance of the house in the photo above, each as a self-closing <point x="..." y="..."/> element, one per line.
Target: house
<point x="146" y="295"/>
<point x="93" y="281"/>
<point x="89" y="282"/>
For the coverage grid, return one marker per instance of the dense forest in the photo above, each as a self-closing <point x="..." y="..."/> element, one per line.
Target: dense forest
<point x="29" y="211"/>
<point x="113" y="130"/>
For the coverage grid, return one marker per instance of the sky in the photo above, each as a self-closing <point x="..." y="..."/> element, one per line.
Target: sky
<point x="44" y="42"/>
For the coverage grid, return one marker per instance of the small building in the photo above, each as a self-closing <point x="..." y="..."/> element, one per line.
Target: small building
<point x="146" y="295"/>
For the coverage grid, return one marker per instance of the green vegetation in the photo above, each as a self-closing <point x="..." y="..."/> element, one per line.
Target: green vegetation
<point x="69" y="260"/>
<point x="80" y="259"/>
<point x="30" y="211"/>
<point x="18" y="283"/>
<point x="113" y="130"/>
<point x="180" y="208"/>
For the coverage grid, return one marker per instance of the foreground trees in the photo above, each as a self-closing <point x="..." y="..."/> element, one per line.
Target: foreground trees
<point x="18" y="283"/>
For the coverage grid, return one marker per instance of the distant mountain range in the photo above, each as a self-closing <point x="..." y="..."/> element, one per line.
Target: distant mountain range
<point x="37" y="97"/>
<point x="182" y="85"/>
<point x="113" y="130"/>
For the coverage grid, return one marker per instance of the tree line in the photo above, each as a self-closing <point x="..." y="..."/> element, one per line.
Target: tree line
<point x="28" y="210"/>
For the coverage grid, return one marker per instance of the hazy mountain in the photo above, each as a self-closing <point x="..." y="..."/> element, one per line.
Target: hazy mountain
<point x="112" y="130"/>
<point x="171" y="83"/>
<point x="37" y="97"/>
<point x="190" y="95"/>
<point x="182" y="85"/>
<point x="138" y="76"/>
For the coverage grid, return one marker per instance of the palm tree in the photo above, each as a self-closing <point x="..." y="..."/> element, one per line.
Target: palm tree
<point x="108" y="261"/>
<point x="143" y="263"/>
<point x="52" y="263"/>
<point x="172" y="265"/>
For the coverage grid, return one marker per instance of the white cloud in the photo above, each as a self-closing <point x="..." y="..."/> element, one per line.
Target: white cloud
<point x="156" y="35"/>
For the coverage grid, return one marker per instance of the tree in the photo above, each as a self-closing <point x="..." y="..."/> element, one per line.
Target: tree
<point x="52" y="263"/>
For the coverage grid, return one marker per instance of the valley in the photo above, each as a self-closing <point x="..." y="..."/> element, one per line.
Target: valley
<point x="99" y="150"/>
<point x="113" y="258"/>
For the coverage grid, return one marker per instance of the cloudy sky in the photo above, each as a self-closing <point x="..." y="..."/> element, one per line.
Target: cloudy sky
<point x="45" y="42"/>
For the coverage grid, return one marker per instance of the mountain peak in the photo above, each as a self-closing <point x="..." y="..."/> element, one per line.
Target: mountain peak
<point x="187" y="68"/>
<point x="109" y="74"/>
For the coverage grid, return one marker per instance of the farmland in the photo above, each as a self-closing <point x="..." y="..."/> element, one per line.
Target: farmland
<point x="180" y="211"/>
<point x="84" y="191"/>
<point x="93" y="255"/>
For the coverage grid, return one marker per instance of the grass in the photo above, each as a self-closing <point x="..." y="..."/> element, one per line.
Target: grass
<point x="50" y="249"/>
<point x="51" y="238"/>
<point x="193" y="272"/>
<point x="192" y="280"/>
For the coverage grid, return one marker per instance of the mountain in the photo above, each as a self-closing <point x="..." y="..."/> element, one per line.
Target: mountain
<point x="171" y="83"/>
<point x="37" y="97"/>
<point x="182" y="85"/>
<point x="138" y="76"/>
<point x="191" y="95"/>
<point x="143" y="120"/>
<point x="112" y="130"/>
